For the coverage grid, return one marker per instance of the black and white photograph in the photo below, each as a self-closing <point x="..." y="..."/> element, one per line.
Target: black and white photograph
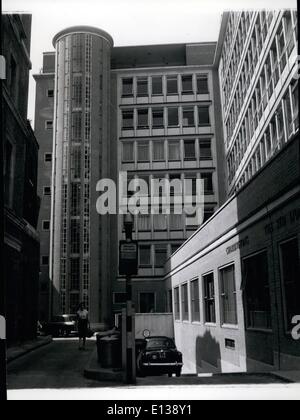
<point x="150" y="227"/>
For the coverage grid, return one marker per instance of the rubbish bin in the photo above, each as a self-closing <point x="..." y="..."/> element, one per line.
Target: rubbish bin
<point x="109" y="352"/>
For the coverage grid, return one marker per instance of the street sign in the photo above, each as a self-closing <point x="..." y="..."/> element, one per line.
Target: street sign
<point x="128" y="263"/>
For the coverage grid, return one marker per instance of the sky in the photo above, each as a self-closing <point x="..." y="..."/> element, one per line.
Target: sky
<point x="129" y="22"/>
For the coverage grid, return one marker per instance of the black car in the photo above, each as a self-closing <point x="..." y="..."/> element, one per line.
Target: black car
<point x="60" y="326"/>
<point x="159" y="355"/>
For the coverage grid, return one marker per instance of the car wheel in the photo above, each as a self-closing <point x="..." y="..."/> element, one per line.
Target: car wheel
<point x="178" y="374"/>
<point x="170" y="375"/>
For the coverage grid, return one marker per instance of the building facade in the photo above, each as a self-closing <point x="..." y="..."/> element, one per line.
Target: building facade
<point x="21" y="271"/>
<point x="44" y="132"/>
<point x="166" y="99"/>
<point x="145" y="111"/>
<point x="236" y="281"/>
<point x="260" y="103"/>
<point x="79" y="257"/>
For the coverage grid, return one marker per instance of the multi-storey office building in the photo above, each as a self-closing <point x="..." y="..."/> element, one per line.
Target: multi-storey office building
<point x="148" y="111"/>
<point x="259" y="92"/>
<point x="166" y="99"/>
<point x="44" y="132"/>
<point x="21" y="202"/>
<point x="236" y="281"/>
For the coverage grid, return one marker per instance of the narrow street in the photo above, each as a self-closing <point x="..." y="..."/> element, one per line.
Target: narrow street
<point x="59" y="365"/>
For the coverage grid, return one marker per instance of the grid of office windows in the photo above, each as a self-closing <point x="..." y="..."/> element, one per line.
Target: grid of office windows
<point x="253" y="66"/>
<point x="185" y="84"/>
<point x="193" y="149"/>
<point x="154" y="118"/>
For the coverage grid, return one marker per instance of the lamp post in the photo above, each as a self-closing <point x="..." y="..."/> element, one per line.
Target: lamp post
<point x="130" y="379"/>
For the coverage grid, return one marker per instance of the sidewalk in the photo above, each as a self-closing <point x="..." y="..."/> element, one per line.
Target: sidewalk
<point x="291" y="376"/>
<point x="14" y="353"/>
<point x="94" y="371"/>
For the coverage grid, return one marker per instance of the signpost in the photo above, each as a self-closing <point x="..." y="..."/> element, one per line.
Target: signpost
<point x="128" y="266"/>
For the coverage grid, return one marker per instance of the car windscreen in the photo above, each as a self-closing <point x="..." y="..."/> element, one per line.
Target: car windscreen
<point x="160" y="343"/>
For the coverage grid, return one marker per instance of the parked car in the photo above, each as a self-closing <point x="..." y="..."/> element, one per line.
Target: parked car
<point x="61" y="326"/>
<point x="159" y="355"/>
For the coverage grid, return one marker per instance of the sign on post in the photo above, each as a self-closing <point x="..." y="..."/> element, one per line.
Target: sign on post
<point x="128" y="263"/>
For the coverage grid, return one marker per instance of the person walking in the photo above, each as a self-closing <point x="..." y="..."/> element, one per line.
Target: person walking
<point x="83" y="324"/>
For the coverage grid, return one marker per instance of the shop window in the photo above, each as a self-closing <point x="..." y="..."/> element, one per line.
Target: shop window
<point x="257" y="292"/>
<point x="290" y="272"/>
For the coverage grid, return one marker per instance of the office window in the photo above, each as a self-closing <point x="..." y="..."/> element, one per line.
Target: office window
<point x="257" y="292"/>
<point x="75" y="236"/>
<point x="142" y="86"/>
<point x="205" y="150"/>
<point x="188" y="117"/>
<point x="127" y="87"/>
<point x="128" y="120"/>
<point x="48" y="157"/>
<point x="50" y="93"/>
<point x="195" y="300"/>
<point x="160" y="256"/>
<point x="203" y="115"/>
<point x="290" y="272"/>
<point x="75" y="274"/>
<point x="46" y="225"/>
<point x="189" y="150"/>
<point x="45" y="260"/>
<point x="147" y="303"/>
<point x="143" y="121"/>
<point x="175" y="221"/>
<point x="158" y="118"/>
<point x="49" y="125"/>
<point x="228" y="296"/>
<point x="128" y="152"/>
<point x="172" y="85"/>
<point x="47" y="191"/>
<point x="157" y="86"/>
<point x="160" y="222"/>
<point x="177" y="303"/>
<point x="144" y="222"/>
<point x="174" y="151"/>
<point x="209" y="298"/>
<point x="202" y="84"/>
<point x="76" y="126"/>
<point x="173" y="119"/>
<point x="145" y="256"/>
<point x="187" y="84"/>
<point x="159" y="151"/>
<point x="208" y="183"/>
<point x="143" y="151"/>
<point x="185" y="302"/>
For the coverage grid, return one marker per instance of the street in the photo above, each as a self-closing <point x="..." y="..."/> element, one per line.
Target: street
<point x="59" y="365"/>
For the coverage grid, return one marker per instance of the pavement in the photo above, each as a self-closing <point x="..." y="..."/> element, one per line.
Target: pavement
<point x="27" y="347"/>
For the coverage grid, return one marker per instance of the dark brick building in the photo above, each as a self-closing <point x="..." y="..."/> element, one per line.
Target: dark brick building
<point x="22" y="252"/>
